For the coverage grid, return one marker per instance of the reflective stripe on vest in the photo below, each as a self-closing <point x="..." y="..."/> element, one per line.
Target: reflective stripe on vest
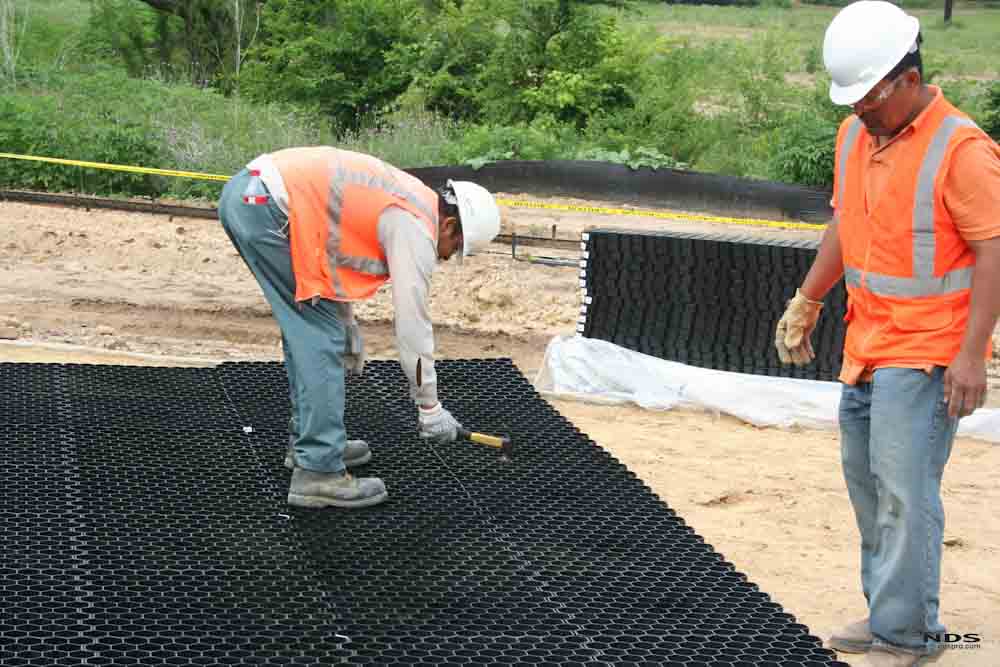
<point x="850" y="139"/>
<point x="335" y="204"/>
<point x="373" y="267"/>
<point x="350" y="177"/>
<point x="924" y="282"/>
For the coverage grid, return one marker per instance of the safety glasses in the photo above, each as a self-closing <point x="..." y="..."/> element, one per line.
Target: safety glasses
<point x="873" y="100"/>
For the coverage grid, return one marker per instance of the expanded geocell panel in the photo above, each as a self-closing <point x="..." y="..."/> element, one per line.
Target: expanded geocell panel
<point x="709" y="300"/>
<point x="134" y="529"/>
<point x="167" y="540"/>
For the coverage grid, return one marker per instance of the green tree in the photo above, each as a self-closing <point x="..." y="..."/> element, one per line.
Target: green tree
<point x="197" y="41"/>
<point x="561" y="59"/>
<point x="510" y="61"/>
<point x="332" y="55"/>
<point x="446" y="63"/>
<point x="803" y="149"/>
<point x="991" y="114"/>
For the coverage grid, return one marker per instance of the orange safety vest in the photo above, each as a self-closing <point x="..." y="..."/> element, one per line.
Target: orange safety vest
<point x="335" y="198"/>
<point x="907" y="269"/>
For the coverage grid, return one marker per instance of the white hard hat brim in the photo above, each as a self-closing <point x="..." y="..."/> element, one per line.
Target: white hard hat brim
<point x="472" y="199"/>
<point x="848" y="95"/>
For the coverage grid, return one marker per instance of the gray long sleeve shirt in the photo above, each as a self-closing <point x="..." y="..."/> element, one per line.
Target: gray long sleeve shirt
<point x="412" y="256"/>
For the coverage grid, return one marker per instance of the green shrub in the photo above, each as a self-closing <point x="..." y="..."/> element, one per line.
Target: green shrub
<point x="189" y="41"/>
<point x="547" y="138"/>
<point x="102" y="116"/>
<point x="724" y="3"/>
<point x="805" y="151"/>
<point x="52" y="32"/>
<point x="507" y="62"/>
<point x="409" y="137"/>
<point x="813" y="59"/>
<point x="40" y="126"/>
<point x="333" y="56"/>
<point x="991" y="113"/>
<point x="447" y="64"/>
<point x="664" y="116"/>
<point x="905" y="4"/>
<point x="635" y="159"/>
<point x="543" y="139"/>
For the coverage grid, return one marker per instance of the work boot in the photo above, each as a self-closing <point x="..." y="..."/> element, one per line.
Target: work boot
<point x="883" y="656"/>
<point x="356" y="453"/>
<point x="334" y="489"/>
<point x="854" y="638"/>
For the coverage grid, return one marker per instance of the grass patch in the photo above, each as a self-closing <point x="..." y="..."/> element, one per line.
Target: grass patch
<point x="968" y="47"/>
<point x="53" y="30"/>
<point x="104" y="116"/>
<point x="408" y="138"/>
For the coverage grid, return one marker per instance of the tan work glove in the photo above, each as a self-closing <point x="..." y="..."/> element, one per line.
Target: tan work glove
<point x="795" y="329"/>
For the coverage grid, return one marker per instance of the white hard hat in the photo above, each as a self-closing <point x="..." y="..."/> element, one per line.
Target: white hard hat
<point x="865" y="40"/>
<point x="479" y="213"/>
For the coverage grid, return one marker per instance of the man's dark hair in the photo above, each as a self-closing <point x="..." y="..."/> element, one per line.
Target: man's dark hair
<point x="446" y="209"/>
<point x="908" y="61"/>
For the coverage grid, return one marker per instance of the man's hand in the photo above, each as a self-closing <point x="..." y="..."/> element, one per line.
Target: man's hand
<point x="795" y="328"/>
<point x="965" y="378"/>
<point x="965" y="384"/>
<point x="437" y="424"/>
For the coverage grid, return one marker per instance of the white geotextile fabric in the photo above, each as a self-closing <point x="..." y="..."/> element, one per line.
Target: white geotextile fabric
<point x="596" y="371"/>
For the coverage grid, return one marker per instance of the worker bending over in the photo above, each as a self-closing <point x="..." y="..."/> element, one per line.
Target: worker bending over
<point x="916" y="235"/>
<point x="321" y="228"/>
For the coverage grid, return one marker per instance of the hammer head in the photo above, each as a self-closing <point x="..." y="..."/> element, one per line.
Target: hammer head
<point x="506" y="449"/>
<point x="503" y="443"/>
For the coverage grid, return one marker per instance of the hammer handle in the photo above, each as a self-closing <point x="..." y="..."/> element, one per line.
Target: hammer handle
<point x="484" y="439"/>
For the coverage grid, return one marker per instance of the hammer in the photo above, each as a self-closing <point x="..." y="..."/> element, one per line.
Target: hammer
<point x="503" y="443"/>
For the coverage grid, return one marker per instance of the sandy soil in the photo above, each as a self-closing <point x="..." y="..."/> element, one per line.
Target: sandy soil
<point x="108" y="287"/>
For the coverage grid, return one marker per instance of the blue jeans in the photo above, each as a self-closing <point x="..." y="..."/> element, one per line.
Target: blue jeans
<point x="896" y="438"/>
<point x="313" y="337"/>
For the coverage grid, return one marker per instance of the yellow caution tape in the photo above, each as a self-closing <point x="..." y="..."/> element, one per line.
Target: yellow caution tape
<point x="517" y="203"/>
<point x="670" y="215"/>
<point x="119" y="167"/>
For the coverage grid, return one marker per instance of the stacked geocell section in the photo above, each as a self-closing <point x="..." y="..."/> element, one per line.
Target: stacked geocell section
<point x="709" y="300"/>
<point x="144" y="523"/>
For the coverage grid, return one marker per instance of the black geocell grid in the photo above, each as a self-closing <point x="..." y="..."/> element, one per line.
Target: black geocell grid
<point x="134" y="529"/>
<point x="167" y="535"/>
<point x="709" y="300"/>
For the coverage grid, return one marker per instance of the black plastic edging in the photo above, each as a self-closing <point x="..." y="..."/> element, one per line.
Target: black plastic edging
<point x="664" y="188"/>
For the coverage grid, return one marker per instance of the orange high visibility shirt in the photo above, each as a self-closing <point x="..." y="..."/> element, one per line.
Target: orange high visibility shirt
<point x="969" y="196"/>
<point x="971" y="188"/>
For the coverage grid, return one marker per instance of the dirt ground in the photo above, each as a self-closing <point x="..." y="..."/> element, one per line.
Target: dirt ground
<point x="118" y="288"/>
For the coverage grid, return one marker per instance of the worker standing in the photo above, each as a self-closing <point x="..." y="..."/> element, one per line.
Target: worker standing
<point x="321" y="228"/>
<point x="916" y="236"/>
